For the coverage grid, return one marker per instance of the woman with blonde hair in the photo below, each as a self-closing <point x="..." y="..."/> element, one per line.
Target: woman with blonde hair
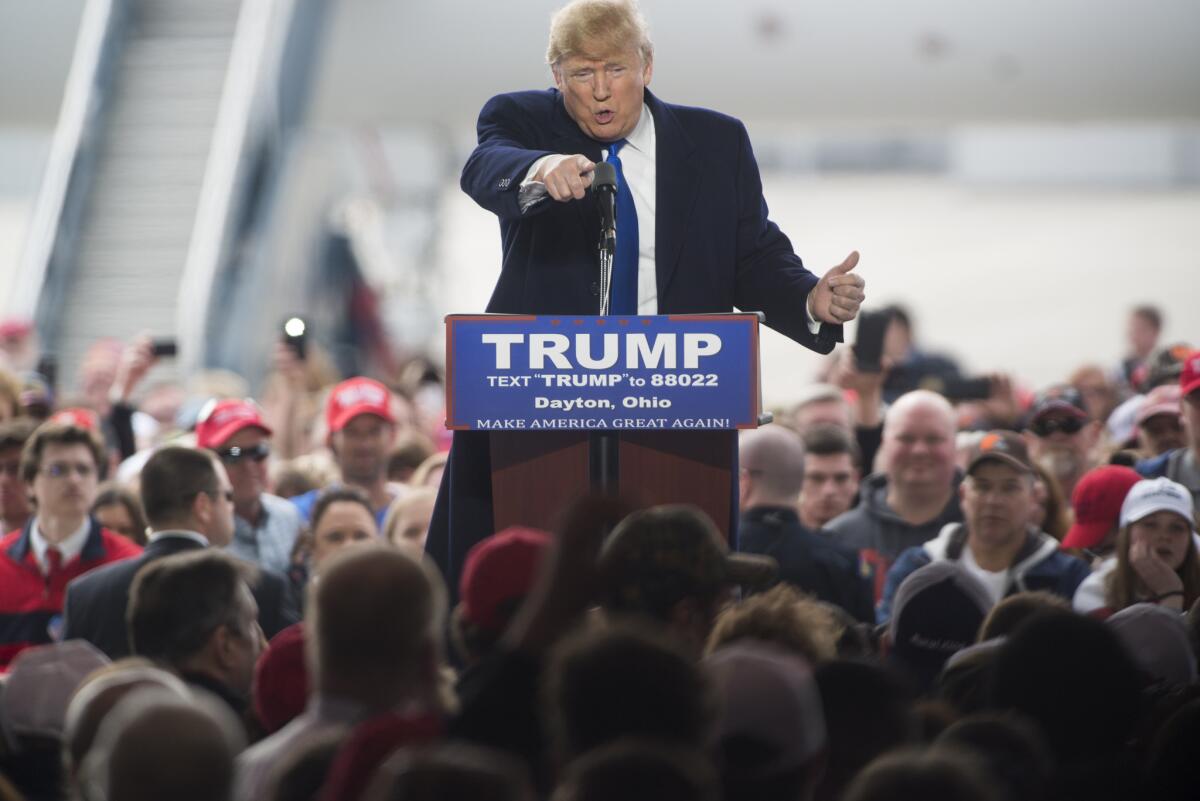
<point x="1156" y="559"/>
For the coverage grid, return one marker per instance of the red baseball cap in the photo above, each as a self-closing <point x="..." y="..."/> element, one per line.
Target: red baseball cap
<point x="15" y="328"/>
<point x="1189" y="379"/>
<point x="1097" y="502"/>
<point x="281" y="682"/>
<point x="499" y="569"/>
<point x="356" y="396"/>
<point x="77" y="416"/>
<point x="221" y="419"/>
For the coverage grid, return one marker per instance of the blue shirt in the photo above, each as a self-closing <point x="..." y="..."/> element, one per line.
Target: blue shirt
<point x="268" y="544"/>
<point x="305" y="503"/>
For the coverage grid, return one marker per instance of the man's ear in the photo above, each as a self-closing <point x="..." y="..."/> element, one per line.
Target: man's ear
<point x="648" y="70"/>
<point x="202" y="508"/>
<point x="556" y="71"/>
<point x="222" y="645"/>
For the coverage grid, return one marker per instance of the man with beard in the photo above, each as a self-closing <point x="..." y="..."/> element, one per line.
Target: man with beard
<point x="1061" y="435"/>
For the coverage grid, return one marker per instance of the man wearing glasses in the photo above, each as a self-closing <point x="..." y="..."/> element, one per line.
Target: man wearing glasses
<point x="60" y="467"/>
<point x="1061" y="435"/>
<point x="265" y="525"/>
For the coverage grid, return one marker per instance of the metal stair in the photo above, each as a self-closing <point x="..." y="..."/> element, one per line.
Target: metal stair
<point x="153" y="147"/>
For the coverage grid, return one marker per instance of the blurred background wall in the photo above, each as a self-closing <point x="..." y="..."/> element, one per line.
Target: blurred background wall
<point x="1017" y="173"/>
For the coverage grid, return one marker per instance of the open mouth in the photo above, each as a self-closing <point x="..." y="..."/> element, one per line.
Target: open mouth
<point x="1163" y="553"/>
<point x="604" y="117"/>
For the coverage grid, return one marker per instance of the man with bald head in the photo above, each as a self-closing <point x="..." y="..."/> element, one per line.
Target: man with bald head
<point x="915" y="495"/>
<point x="772" y="473"/>
<point x="375" y="621"/>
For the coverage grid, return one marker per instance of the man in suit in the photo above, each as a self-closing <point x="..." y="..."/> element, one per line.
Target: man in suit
<point x="772" y="475"/>
<point x="189" y="504"/>
<point x="693" y="229"/>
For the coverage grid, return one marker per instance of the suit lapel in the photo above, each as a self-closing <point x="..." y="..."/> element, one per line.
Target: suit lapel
<point x="677" y="182"/>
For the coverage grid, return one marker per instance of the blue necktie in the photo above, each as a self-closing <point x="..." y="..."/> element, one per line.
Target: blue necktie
<point x="625" y="265"/>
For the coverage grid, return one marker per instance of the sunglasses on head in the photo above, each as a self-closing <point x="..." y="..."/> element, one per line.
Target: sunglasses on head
<point x="235" y="454"/>
<point x="1067" y="425"/>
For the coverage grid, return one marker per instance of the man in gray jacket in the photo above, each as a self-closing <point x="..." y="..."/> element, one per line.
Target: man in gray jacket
<point x="917" y="492"/>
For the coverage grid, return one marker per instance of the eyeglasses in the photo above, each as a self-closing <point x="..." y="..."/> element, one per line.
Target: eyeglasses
<point x="235" y="454"/>
<point x="63" y="469"/>
<point x="1067" y="425"/>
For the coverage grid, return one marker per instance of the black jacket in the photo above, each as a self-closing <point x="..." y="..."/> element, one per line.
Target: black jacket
<point x="94" y="609"/>
<point x="807" y="560"/>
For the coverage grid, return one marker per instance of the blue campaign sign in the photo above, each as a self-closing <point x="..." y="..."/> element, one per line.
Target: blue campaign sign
<point x="603" y="373"/>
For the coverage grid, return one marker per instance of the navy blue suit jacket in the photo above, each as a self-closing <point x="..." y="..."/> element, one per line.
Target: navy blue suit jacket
<point x="715" y="249"/>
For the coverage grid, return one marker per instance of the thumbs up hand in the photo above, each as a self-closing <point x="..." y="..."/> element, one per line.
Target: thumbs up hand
<point x="839" y="293"/>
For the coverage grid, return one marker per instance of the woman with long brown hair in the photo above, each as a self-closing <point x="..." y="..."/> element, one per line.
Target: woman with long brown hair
<point x="1156" y="559"/>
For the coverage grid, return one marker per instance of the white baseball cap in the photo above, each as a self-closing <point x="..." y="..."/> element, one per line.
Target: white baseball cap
<point x="1157" y="495"/>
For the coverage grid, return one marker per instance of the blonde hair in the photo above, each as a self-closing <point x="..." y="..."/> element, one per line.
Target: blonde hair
<point x="401" y="505"/>
<point x="783" y="616"/>
<point x="584" y="26"/>
<point x="420" y="476"/>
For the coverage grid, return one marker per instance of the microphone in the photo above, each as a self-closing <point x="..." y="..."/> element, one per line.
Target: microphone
<point x="604" y="184"/>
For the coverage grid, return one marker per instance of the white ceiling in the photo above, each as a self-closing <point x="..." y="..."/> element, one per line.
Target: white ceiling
<point x="396" y="62"/>
<point x="922" y="61"/>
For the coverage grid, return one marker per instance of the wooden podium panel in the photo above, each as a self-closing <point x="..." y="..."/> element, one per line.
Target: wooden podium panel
<point x="535" y="474"/>
<point x="693" y="467"/>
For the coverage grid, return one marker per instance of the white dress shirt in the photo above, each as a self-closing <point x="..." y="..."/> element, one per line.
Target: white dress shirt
<point x="194" y="536"/>
<point x="70" y="547"/>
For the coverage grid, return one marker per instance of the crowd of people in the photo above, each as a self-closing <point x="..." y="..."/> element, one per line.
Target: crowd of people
<point x="204" y="596"/>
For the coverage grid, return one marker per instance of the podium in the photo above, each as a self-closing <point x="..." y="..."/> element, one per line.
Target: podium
<point x="645" y="406"/>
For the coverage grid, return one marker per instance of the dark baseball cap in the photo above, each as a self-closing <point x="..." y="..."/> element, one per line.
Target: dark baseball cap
<point x="673" y="552"/>
<point x="1001" y="446"/>
<point x="1061" y="397"/>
